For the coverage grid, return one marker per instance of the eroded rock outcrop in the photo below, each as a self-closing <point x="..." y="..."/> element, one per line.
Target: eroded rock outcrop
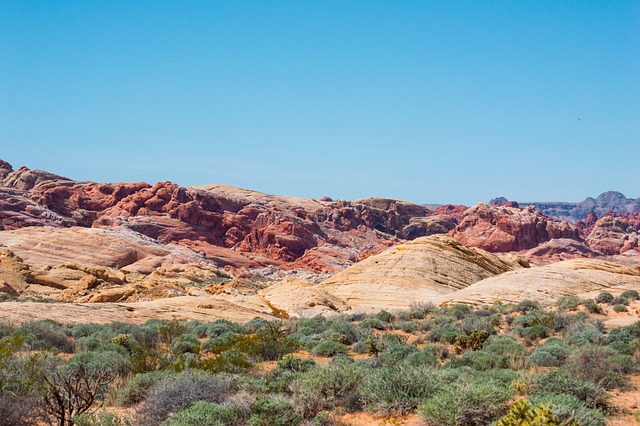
<point x="498" y="228"/>
<point x="415" y="271"/>
<point x="584" y="277"/>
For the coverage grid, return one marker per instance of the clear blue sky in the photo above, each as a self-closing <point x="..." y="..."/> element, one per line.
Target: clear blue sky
<point x="427" y="101"/>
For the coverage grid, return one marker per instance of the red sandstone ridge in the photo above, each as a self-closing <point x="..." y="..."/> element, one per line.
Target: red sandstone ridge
<point x="231" y="226"/>
<point x="500" y="228"/>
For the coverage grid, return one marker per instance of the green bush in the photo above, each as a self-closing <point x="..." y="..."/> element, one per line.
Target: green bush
<point x="384" y="316"/>
<point x="596" y="364"/>
<point x="557" y="382"/>
<point x="508" y="353"/>
<point x="102" y="418"/>
<point x="568" y="302"/>
<point x="136" y="389"/>
<point x="465" y="403"/>
<point x="604" y="297"/>
<point x="630" y="294"/>
<point x="444" y="334"/>
<point x="565" y="406"/>
<point x="591" y="306"/>
<point x="209" y="414"/>
<point x="395" y="353"/>
<point x="527" y="306"/>
<point x="329" y="348"/>
<point x="474" y="341"/>
<point x="553" y="353"/>
<point x="521" y="413"/>
<point x="398" y="389"/>
<point x="295" y="363"/>
<point x="178" y="392"/>
<point x="620" y="308"/>
<point x="273" y="411"/>
<point x="620" y="301"/>
<point x="46" y="335"/>
<point x="328" y="388"/>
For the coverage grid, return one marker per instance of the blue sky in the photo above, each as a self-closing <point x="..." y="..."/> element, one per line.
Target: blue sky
<point x="427" y="101"/>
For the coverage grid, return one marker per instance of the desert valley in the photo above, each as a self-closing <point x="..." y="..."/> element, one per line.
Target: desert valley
<point x="134" y="251"/>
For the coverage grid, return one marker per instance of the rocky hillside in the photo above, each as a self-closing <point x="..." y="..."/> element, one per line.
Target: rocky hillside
<point x="602" y="205"/>
<point x="80" y="242"/>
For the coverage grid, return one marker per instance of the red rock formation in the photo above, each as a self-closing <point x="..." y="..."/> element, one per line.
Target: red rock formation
<point x="613" y="234"/>
<point x="503" y="229"/>
<point x="454" y="210"/>
<point x="265" y="229"/>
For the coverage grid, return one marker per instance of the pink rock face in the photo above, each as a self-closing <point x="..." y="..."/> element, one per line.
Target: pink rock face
<point x="503" y="229"/>
<point x="225" y="222"/>
<point x="456" y="211"/>
<point x="613" y="234"/>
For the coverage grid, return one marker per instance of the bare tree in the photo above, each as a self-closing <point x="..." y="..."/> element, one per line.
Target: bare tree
<point x="73" y="390"/>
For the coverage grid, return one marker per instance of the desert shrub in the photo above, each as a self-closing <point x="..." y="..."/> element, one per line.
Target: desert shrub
<point x="458" y="310"/>
<point x="395" y="353"/>
<point x="420" y="310"/>
<point x="402" y="315"/>
<point x="46" y="334"/>
<point x="268" y="343"/>
<point x="220" y="327"/>
<point x="620" y="301"/>
<point x="630" y="294"/>
<point x="534" y="332"/>
<point x="620" y="308"/>
<point x="465" y="403"/>
<point x="444" y="320"/>
<point x="470" y="324"/>
<point x="101" y="418"/>
<point x="474" y="341"/>
<point x="427" y="357"/>
<point x="329" y="348"/>
<point x="604" y="297"/>
<point x="568" y="302"/>
<point x="591" y="306"/>
<point x="309" y="326"/>
<point x="566" y="406"/>
<point x="374" y="323"/>
<point x="595" y="364"/>
<point x="508" y="353"/>
<point x="557" y="382"/>
<point x="72" y="389"/>
<point x="584" y="337"/>
<point x="229" y="361"/>
<point x="88" y="343"/>
<point x="347" y="331"/>
<point x="295" y="363"/>
<point x="85" y="330"/>
<point x="478" y="360"/>
<point x="185" y="343"/>
<point x="273" y="411"/>
<point x="553" y="353"/>
<point x="220" y="343"/>
<point x="521" y="413"/>
<point x="406" y="326"/>
<point x="136" y="389"/>
<point x="384" y="316"/>
<point x="360" y="347"/>
<point x="620" y="340"/>
<point x="328" y="388"/>
<point x="444" y="334"/>
<point x="178" y="392"/>
<point x="20" y="387"/>
<point x="209" y="414"/>
<point x="527" y="306"/>
<point x="398" y="389"/>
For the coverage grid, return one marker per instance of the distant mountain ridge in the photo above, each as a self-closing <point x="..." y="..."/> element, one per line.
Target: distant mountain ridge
<point x="607" y="201"/>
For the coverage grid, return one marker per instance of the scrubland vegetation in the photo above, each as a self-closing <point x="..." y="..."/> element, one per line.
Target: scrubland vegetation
<point x="453" y="365"/>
